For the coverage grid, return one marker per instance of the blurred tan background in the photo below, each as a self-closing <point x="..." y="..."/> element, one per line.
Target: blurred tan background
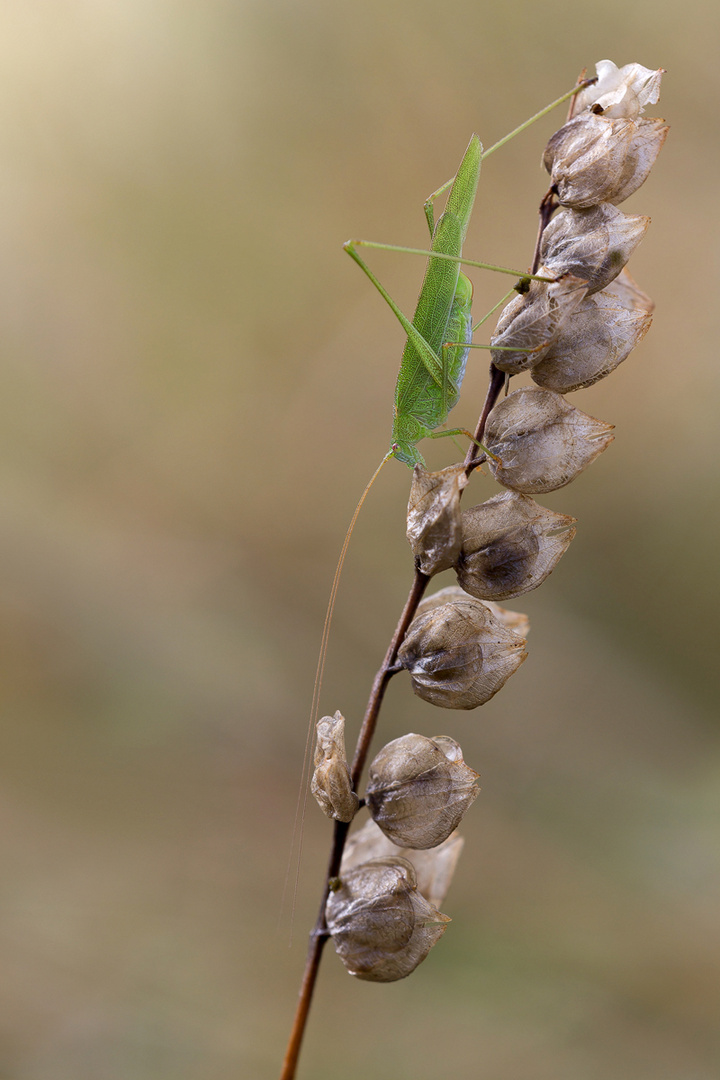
<point x="195" y="384"/>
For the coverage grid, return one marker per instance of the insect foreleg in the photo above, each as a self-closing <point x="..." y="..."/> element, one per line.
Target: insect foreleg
<point x="429" y="202"/>
<point x="463" y="431"/>
<point x="426" y="354"/>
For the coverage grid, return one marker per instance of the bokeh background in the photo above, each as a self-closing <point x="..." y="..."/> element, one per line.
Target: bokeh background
<point x="196" y="382"/>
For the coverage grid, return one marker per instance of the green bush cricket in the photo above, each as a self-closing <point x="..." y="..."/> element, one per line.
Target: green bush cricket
<point x="430" y="376"/>
<point x="440" y="334"/>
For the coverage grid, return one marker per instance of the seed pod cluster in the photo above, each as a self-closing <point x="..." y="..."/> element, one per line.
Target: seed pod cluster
<point x="575" y="329"/>
<point x="461" y="646"/>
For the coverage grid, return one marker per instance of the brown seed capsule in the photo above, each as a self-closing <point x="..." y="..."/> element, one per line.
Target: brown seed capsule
<point x="541" y="441"/>
<point x="433" y="518"/>
<point x="531" y="321"/>
<point x="605" y="330"/>
<point x="381" y="926"/>
<point x="331" y="784"/>
<point x="621" y="91"/>
<point x="434" y="866"/>
<point x="593" y="244"/>
<point x="458" y="654"/>
<point x="419" y="789"/>
<point x="510" y="545"/>
<point x="594" y="159"/>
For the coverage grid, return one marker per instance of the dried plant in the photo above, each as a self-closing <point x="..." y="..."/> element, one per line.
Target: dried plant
<point x="568" y="327"/>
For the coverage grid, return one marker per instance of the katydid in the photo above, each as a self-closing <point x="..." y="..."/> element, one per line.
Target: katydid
<point x="431" y="371"/>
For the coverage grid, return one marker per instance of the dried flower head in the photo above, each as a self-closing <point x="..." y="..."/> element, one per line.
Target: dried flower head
<point x="510" y="545"/>
<point x="621" y="92"/>
<point x="593" y="244"/>
<point x="605" y="330"/>
<point x="419" y="789"/>
<point x="381" y="925"/>
<point x="541" y="441"/>
<point x="530" y="322"/>
<point x="331" y="784"/>
<point x="434" y="867"/>
<point x="457" y="652"/>
<point x="434" y="531"/>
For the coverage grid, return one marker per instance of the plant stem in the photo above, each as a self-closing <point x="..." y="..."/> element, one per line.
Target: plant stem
<point x="420" y="582"/>
<point x="319" y="934"/>
<point x="318" y="937"/>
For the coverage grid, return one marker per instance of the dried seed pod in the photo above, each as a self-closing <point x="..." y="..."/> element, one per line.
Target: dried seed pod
<point x="419" y="789"/>
<point x="434" y="867"/>
<point x="541" y="441"/>
<point x="433" y="518"/>
<point x="530" y="322"/>
<point x="381" y="926"/>
<point x="621" y="91"/>
<point x="605" y="330"/>
<point x="593" y="244"/>
<point x="510" y="545"/>
<point x="457" y="652"/>
<point x="594" y="159"/>
<point x="516" y="621"/>
<point x="331" y="784"/>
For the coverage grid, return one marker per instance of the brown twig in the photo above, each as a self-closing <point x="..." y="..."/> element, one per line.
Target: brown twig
<point x="318" y="935"/>
<point x="497" y="380"/>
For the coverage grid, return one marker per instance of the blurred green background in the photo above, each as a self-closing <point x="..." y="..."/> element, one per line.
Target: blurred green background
<point x="196" y="382"/>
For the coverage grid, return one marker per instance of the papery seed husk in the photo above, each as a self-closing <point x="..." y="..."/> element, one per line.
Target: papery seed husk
<point x="510" y="545"/>
<point x="530" y="322"/>
<point x="433" y="518"/>
<point x="516" y="621"/>
<point x="381" y="925"/>
<point x="458" y="654"/>
<point x="419" y="789"/>
<point x="434" y="867"/>
<point x="594" y="159"/>
<point x="540" y="441"/>
<point x="593" y="244"/>
<point x="511" y="620"/>
<point x="603" y="333"/>
<point x="621" y="91"/>
<point x="331" y="784"/>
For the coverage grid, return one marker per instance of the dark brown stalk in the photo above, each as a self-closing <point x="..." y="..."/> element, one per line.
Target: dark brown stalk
<point x="497" y="379"/>
<point x="319" y="935"/>
<point x="548" y="206"/>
